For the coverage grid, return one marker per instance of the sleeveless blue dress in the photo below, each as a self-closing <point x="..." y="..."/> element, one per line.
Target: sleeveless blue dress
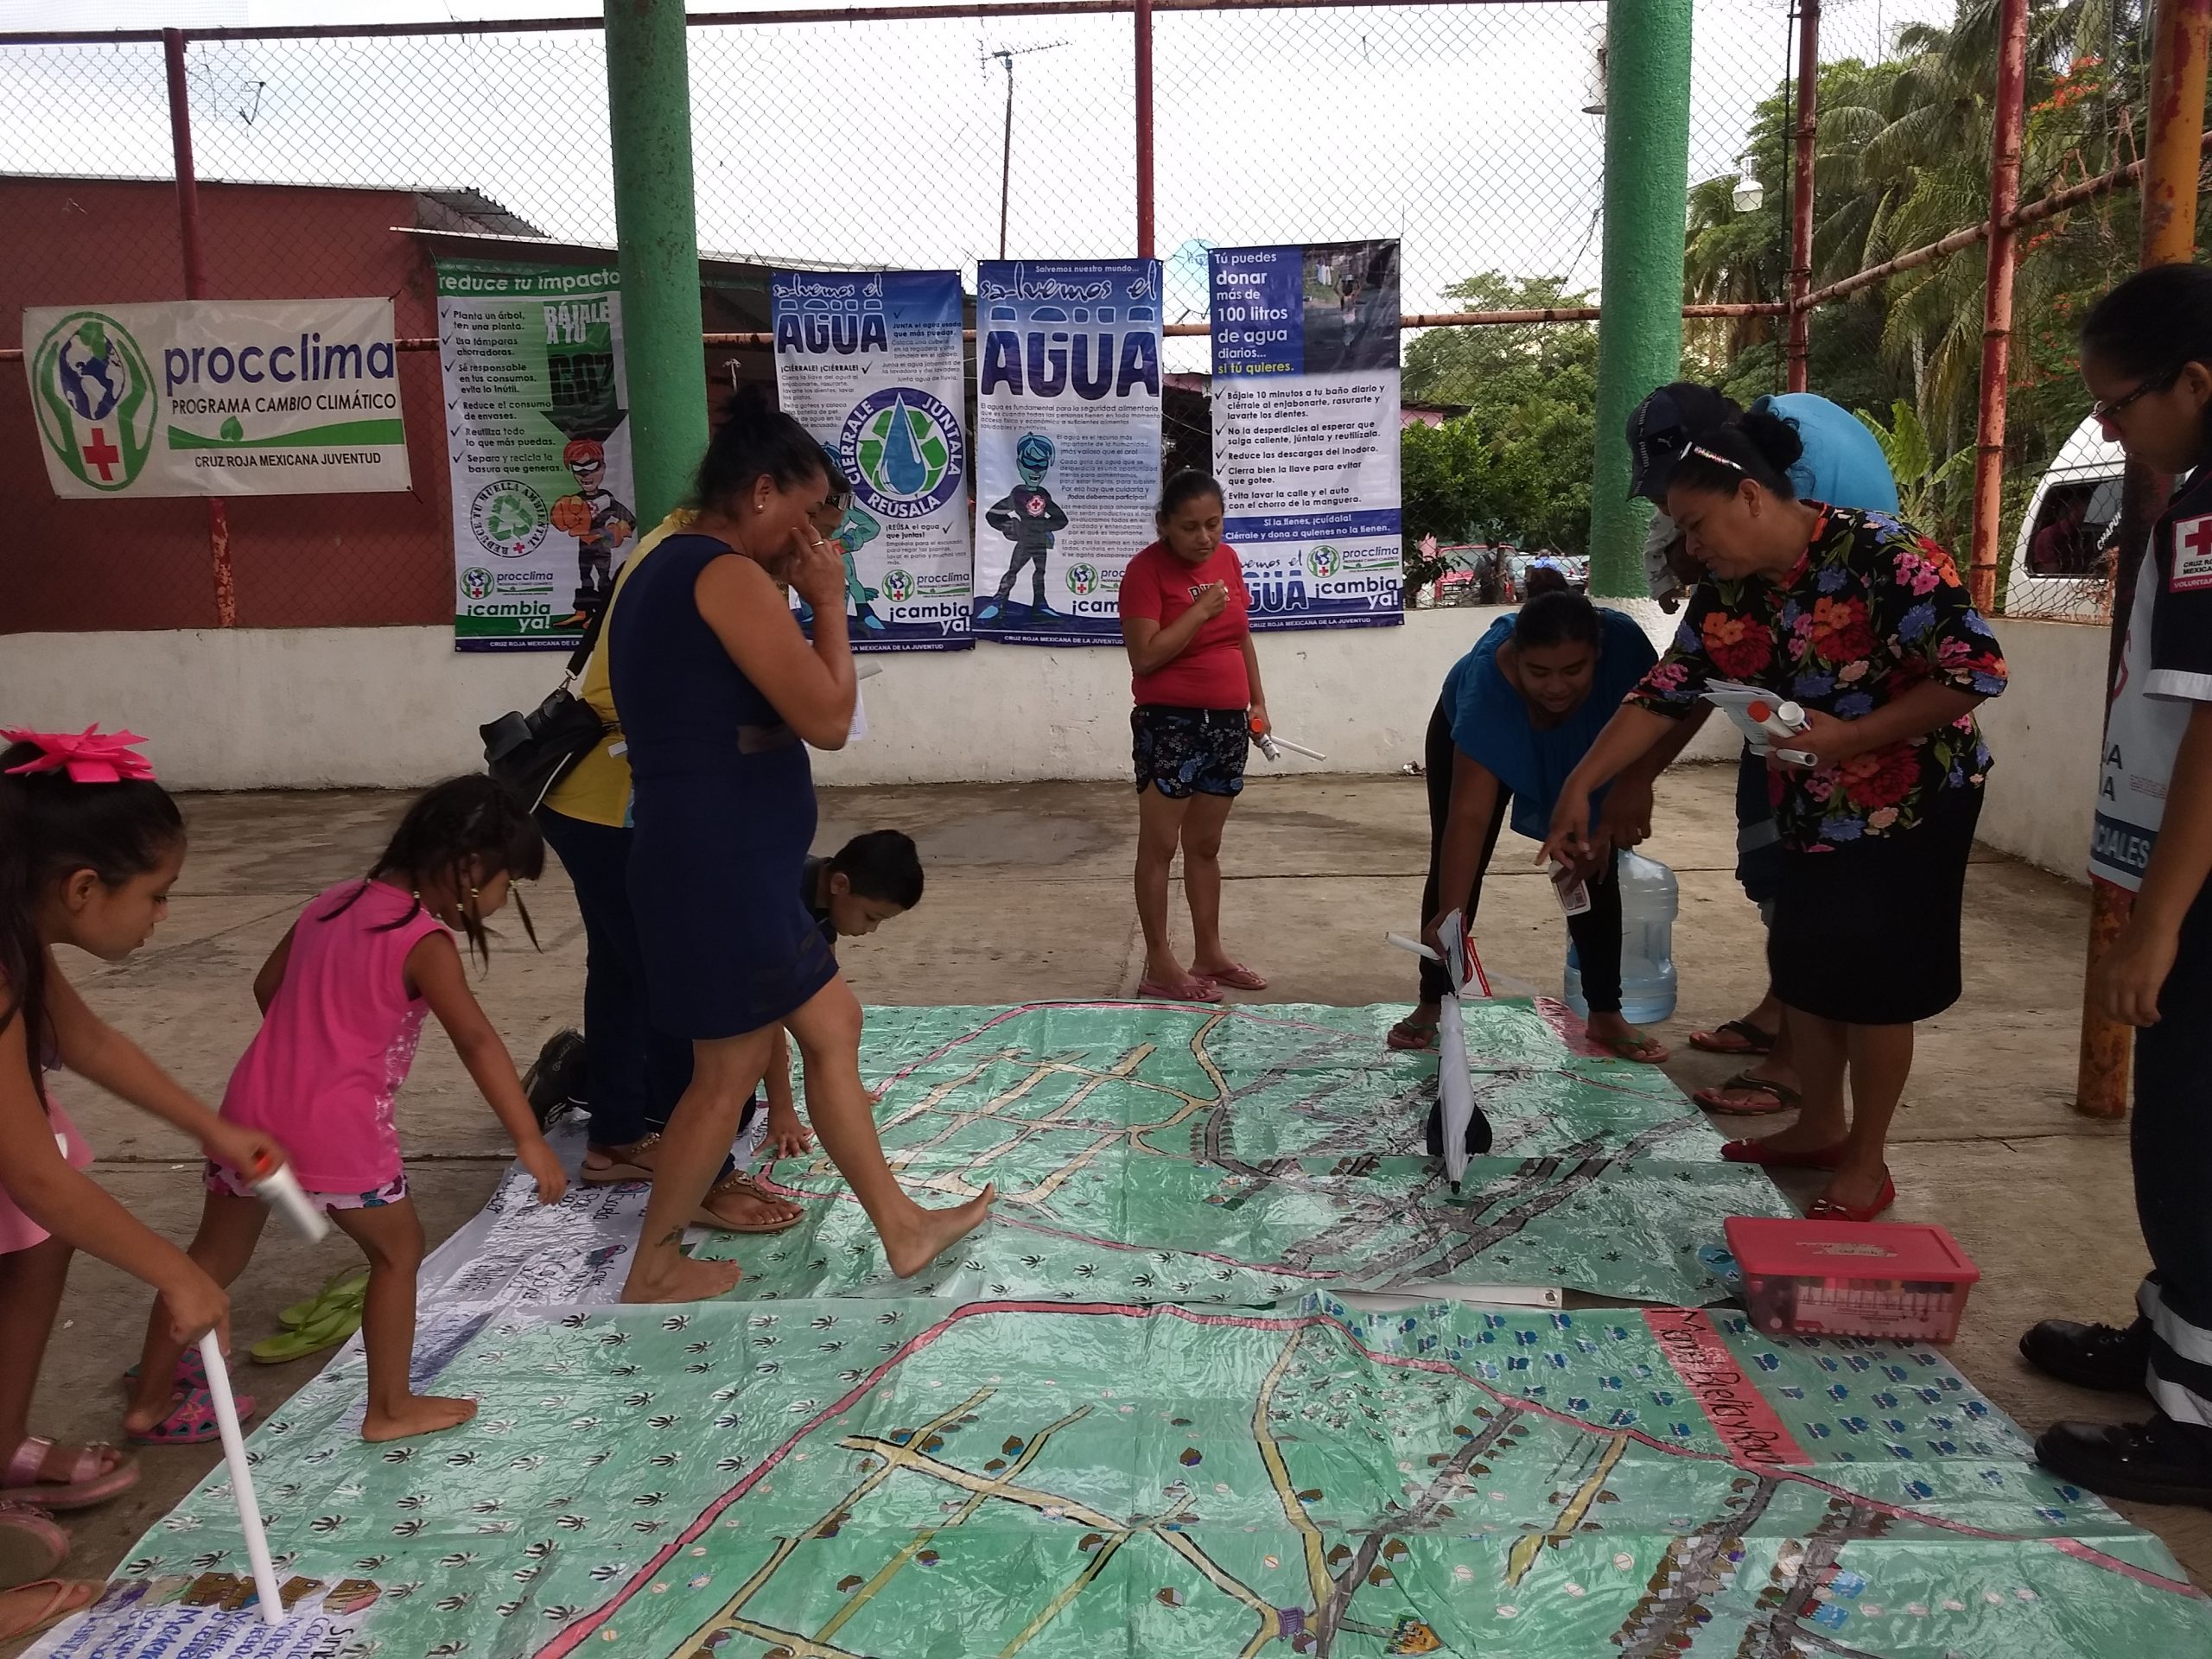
<point x="724" y="807"/>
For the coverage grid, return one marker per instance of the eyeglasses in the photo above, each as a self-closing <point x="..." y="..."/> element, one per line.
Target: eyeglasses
<point x="1694" y="448"/>
<point x="2104" y="411"/>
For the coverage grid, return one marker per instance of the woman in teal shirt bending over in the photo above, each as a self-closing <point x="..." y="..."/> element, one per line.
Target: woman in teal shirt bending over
<point x="1518" y="713"/>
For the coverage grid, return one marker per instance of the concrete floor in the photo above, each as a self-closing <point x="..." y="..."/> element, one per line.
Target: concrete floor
<point x="1029" y="897"/>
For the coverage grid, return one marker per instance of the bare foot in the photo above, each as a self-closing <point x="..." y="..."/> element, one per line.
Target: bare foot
<point x="936" y="1231"/>
<point x="684" y="1279"/>
<point x="418" y="1414"/>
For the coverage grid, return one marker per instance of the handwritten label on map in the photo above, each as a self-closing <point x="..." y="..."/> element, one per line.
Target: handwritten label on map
<point x="1739" y="1413"/>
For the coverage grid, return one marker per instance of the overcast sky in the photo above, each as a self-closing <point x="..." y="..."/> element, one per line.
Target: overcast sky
<point x="1459" y="129"/>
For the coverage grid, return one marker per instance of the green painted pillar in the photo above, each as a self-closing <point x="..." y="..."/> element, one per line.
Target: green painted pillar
<point x="1647" y="201"/>
<point x="649" y="118"/>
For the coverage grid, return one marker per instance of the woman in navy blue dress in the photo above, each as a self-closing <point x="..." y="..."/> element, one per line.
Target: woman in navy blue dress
<point x="721" y="693"/>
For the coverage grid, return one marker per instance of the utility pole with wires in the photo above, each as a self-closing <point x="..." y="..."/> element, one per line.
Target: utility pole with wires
<point x="1005" y="56"/>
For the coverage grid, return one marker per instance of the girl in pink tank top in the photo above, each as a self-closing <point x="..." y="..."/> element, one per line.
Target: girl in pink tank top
<point x="343" y="998"/>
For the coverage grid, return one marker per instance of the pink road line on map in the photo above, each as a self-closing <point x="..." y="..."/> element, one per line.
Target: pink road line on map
<point x="569" y="1640"/>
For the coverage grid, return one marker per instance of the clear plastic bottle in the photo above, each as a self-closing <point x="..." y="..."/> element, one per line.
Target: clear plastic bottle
<point x="1650" y="898"/>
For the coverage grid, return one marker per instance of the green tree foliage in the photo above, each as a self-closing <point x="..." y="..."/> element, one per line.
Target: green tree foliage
<point x="1516" y="466"/>
<point x="1902" y="160"/>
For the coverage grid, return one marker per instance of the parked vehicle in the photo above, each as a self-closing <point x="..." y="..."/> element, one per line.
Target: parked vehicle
<point x="2062" y="560"/>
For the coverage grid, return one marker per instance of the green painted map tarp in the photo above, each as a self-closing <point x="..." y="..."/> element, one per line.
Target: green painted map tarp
<point x="908" y="1479"/>
<point x="1162" y="1151"/>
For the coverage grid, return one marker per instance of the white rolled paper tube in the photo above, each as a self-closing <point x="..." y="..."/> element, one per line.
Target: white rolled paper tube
<point x="281" y="1191"/>
<point x="226" y="1419"/>
<point x="1300" y="749"/>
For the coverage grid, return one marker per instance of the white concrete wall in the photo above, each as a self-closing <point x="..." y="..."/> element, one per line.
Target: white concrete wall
<point x="2044" y="732"/>
<point x="398" y="707"/>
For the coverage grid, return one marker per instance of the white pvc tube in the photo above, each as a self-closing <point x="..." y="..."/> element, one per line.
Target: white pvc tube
<point x="256" y="1542"/>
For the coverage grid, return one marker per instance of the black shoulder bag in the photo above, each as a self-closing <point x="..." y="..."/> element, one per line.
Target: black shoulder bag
<point x="531" y="752"/>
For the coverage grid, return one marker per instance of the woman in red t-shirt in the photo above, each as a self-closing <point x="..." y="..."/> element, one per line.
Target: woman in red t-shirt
<point x="1184" y="620"/>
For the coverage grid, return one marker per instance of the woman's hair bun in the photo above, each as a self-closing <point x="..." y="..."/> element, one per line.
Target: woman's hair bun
<point x="1774" y="437"/>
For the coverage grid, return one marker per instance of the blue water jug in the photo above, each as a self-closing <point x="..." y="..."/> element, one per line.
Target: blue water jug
<point x="1650" y="898"/>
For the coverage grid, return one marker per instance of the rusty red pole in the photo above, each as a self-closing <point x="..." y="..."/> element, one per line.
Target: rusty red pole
<point x="1144" y="129"/>
<point x="1801" y="200"/>
<point x="2008" y="111"/>
<point x="2175" y="141"/>
<point x="195" y="288"/>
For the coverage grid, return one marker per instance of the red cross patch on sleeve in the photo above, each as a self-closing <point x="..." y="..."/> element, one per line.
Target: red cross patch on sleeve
<point x="2192" y="554"/>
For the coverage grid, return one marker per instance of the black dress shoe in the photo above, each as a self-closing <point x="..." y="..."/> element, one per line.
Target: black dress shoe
<point x="2108" y="1358"/>
<point x="2160" y="1461"/>
<point x="558" y="1078"/>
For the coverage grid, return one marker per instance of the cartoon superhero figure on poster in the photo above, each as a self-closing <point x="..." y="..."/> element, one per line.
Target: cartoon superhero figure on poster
<point x="1029" y="518"/>
<point x="599" y="522"/>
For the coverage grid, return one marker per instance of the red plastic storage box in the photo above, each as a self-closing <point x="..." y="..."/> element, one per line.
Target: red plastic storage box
<point x="1851" y="1278"/>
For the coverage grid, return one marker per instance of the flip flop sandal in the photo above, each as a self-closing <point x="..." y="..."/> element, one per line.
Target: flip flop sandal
<point x="740" y="1182"/>
<point x="619" y="1169"/>
<point x="1830" y="1210"/>
<point x="85" y="1486"/>
<point x="191" y="1421"/>
<point x="1650" y="1051"/>
<point x="304" y="1339"/>
<point x="1749" y="1039"/>
<point x="1410" y="1039"/>
<point x="1193" y="989"/>
<point x="1237" y="976"/>
<point x="1782" y="1097"/>
<point x="31" y="1546"/>
<point x="45" y="1603"/>
<point x="346" y="1287"/>
<point x="1758" y="1152"/>
<point x="191" y="1372"/>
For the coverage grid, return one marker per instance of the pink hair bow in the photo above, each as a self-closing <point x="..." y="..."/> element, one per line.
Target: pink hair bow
<point x="90" y="756"/>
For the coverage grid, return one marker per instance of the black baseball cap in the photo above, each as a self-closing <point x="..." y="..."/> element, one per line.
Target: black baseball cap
<point x="1663" y="424"/>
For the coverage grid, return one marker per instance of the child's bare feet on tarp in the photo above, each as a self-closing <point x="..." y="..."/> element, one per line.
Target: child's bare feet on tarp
<point x="417" y="1413"/>
<point x="681" y="1279"/>
<point x="929" y="1234"/>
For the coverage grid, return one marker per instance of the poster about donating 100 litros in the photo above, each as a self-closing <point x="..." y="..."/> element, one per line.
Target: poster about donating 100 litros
<point x="538" y="437"/>
<point x="1306" y="429"/>
<point x="1067" y="443"/>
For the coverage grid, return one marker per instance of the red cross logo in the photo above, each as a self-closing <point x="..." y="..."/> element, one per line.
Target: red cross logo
<point x="2197" y="540"/>
<point x="102" y="455"/>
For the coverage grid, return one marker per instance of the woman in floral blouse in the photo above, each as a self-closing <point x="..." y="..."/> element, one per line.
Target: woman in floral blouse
<point x="1864" y="621"/>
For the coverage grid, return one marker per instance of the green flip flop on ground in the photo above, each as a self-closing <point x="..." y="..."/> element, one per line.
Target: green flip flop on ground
<point x="341" y="1289"/>
<point x="340" y="1322"/>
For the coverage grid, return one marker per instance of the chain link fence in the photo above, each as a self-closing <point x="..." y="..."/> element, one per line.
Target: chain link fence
<point x="343" y="162"/>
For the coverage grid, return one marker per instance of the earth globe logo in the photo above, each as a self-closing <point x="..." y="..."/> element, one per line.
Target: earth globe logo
<point x="1324" y="560"/>
<point x="95" y="399"/>
<point x="1083" y="579"/>
<point x="508" y="518"/>
<point x="904" y="449"/>
<point x="476" y="581"/>
<point x="897" y="585"/>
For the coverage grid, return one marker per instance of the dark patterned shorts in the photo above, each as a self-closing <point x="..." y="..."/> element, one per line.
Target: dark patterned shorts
<point x="1186" y="752"/>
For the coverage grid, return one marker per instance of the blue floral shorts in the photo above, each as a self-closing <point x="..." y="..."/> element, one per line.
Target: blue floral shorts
<point x="1186" y="752"/>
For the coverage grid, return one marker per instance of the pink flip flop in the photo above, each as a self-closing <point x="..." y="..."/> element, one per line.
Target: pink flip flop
<point x="191" y="1372"/>
<point x="1237" y="976"/>
<point x="85" y="1486"/>
<point x="191" y="1421"/>
<point x="1196" y="988"/>
<point x="31" y="1546"/>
